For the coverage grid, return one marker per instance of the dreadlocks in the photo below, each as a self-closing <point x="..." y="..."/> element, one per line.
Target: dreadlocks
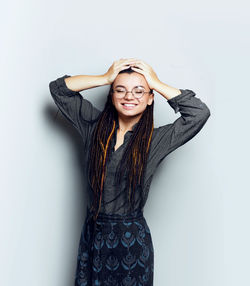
<point x="135" y="155"/>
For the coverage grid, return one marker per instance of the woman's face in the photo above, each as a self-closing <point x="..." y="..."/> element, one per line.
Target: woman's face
<point x="129" y="81"/>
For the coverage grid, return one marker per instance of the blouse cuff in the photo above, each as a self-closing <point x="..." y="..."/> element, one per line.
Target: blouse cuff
<point x="63" y="87"/>
<point x="174" y="102"/>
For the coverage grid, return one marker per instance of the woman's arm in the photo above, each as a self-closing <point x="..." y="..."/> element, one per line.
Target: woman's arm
<point x="194" y="114"/>
<point x="65" y="91"/>
<point x="166" y="91"/>
<point x="81" y="82"/>
<point x="75" y="108"/>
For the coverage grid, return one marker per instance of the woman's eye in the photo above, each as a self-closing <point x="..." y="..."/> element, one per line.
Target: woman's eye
<point x="139" y="91"/>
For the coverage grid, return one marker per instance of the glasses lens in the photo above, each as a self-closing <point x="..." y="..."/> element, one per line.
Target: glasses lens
<point x="120" y="92"/>
<point x="138" y="92"/>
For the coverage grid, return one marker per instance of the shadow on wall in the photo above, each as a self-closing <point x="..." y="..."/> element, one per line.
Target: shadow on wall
<point x="69" y="133"/>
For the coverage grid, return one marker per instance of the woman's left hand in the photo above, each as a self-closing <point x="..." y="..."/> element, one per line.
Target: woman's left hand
<point x="146" y="70"/>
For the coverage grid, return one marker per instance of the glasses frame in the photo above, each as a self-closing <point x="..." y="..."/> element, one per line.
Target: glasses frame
<point x="130" y="92"/>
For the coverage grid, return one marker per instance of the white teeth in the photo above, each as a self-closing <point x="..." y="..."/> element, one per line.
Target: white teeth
<point x="129" y="104"/>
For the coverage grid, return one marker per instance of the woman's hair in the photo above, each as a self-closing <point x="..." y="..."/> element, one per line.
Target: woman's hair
<point x="135" y="155"/>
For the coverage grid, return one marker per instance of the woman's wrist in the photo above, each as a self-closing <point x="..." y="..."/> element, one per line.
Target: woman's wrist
<point x="104" y="79"/>
<point x="167" y="91"/>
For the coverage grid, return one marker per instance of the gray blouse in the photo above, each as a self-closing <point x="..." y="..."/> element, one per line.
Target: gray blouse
<point x="165" y="139"/>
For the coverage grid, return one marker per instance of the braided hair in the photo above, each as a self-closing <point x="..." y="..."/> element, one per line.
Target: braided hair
<point x="135" y="155"/>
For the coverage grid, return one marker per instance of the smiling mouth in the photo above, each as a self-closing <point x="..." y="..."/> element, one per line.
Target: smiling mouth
<point x="129" y="104"/>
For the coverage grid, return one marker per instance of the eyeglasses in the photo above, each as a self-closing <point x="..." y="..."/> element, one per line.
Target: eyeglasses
<point x="137" y="92"/>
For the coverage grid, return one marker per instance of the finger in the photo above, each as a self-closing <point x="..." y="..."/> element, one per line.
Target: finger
<point x="138" y="65"/>
<point x="124" y="65"/>
<point x="128" y="59"/>
<point x="127" y="62"/>
<point x="123" y="68"/>
<point x="142" y="63"/>
<point x="137" y="70"/>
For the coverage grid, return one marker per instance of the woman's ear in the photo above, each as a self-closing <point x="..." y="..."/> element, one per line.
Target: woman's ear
<point x="151" y="98"/>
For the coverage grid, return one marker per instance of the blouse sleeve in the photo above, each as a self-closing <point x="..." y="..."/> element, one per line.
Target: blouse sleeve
<point x="76" y="109"/>
<point x="194" y="114"/>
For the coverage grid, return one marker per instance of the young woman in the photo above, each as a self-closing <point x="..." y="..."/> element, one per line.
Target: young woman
<point x="123" y="150"/>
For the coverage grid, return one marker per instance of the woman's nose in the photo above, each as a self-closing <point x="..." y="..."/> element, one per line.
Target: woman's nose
<point x="129" y="94"/>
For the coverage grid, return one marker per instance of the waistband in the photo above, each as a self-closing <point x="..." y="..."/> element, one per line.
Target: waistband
<point x="116" y="217"/>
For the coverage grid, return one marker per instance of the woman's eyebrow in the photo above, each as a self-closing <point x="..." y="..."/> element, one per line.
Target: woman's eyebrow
<point x="119" y="85"/>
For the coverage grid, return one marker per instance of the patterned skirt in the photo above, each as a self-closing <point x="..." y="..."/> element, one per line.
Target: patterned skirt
<point x="115" y="250"/>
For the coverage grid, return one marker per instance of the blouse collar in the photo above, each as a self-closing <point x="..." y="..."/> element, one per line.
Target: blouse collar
<point x="117" y="125"/>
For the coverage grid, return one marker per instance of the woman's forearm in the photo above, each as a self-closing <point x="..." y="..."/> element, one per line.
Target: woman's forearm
<point x="166" y="90"/>
<point x="82" y="82"/>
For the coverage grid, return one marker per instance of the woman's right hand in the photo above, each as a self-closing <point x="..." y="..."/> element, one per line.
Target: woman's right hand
<point x="116" y="67"/>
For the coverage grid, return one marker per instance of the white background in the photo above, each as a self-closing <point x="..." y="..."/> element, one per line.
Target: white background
<point x="200" y="227"/>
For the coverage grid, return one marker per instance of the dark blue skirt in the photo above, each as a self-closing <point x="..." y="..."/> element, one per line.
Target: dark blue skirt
<point x="115" y="250"/>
